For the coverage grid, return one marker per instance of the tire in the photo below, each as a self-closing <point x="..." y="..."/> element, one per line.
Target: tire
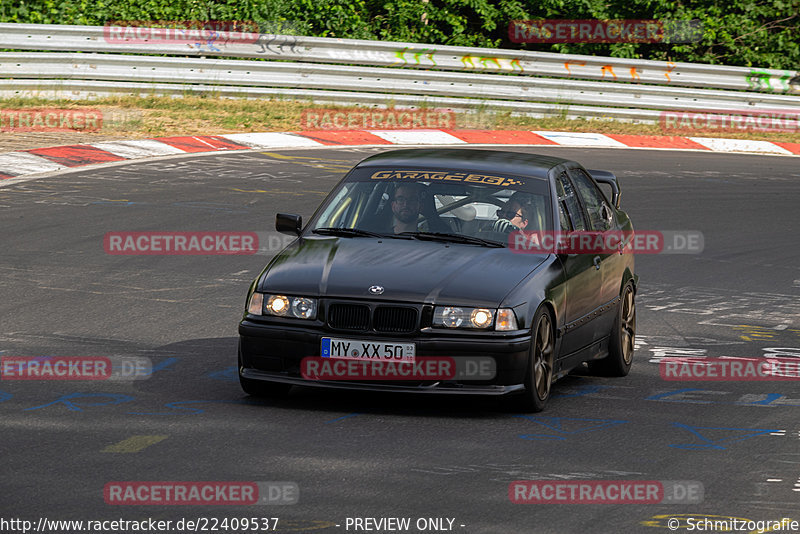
<point x="259" y="388"/>
<point x="541" y="359"/>
<point x="623" y="333"/>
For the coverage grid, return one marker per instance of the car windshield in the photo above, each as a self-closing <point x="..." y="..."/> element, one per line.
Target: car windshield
<point x="434" y="204"/>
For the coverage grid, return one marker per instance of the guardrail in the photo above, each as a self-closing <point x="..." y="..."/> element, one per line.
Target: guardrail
<point x="374" y="72"/>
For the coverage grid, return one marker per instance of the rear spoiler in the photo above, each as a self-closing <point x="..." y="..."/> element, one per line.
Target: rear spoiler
<point x="608" y="177"/>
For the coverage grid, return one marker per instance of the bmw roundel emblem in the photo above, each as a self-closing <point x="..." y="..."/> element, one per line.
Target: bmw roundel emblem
<point x="376" y="290"/>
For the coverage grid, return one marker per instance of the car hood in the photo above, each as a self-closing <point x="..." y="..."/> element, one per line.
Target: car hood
<point x="409" y="270"/>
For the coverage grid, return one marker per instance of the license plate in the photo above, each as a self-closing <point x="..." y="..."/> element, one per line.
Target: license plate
<point x="354" y="349"/>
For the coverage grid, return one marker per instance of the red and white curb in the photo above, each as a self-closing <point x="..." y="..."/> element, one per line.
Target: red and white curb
<point x="40" y="160"/>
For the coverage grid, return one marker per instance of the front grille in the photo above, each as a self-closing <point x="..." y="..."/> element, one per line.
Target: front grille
<point x="348" y="316"/>
<point x="395" y="319"/>
<point x="381" y="318"/>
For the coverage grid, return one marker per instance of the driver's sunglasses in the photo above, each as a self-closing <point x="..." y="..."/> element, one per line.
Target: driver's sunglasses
<point x="508" y="214"/>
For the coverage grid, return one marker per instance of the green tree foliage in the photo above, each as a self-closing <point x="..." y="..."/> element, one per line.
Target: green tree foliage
<point x="757" y="33"/>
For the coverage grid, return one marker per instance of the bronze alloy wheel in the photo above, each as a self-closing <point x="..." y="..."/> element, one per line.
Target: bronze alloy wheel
<point x="543" y="357"/>
<point x="621" y="342"/>
<point x="541" y="360"/>
<point x="627" y="325"/>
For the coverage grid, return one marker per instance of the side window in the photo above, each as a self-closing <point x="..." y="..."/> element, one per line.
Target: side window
<point x="568" y="202"/>
<point x="334" y="212"/>
<point x="563" y="218"/>
<point x="592" y="198"/>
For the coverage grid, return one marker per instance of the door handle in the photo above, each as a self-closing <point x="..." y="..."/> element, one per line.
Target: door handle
<point x="597" y="262"/>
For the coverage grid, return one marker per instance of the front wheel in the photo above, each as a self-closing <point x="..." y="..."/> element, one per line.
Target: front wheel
<point x="539" y="376"/>
<point x="620" y="348"/>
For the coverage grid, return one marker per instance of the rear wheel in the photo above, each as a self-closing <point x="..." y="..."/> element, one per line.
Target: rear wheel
<point x="539" y="377"/>
<point x="620" y="348"/>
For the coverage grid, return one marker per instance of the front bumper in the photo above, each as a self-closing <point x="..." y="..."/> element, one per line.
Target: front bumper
<point x="274" y="352"/>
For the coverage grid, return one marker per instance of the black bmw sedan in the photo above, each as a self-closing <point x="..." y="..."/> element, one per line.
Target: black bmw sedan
<point x="441" y="256"/>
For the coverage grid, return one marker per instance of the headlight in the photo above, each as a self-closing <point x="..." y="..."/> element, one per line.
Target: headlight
<point x="303" y="308"/>
<point x="481" y="318"/>
<point x="277" y="305"/>
<point x="454" y="317"/>
<point x="476" y="318"/>
<point x="282" y="306"/>
<point x="449" y="317"/>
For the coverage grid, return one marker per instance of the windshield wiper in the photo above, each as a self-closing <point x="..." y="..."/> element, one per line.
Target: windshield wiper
<point x="346" y="232"/>
<point x="454" y="238"/>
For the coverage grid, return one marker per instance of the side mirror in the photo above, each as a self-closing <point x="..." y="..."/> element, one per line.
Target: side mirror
<point x="288" y="223"/>
<point x="607" y="215"/>
<point x="609" y="178"/>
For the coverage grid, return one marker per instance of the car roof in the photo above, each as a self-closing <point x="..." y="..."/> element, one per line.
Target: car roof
<point x="466" y="159"/>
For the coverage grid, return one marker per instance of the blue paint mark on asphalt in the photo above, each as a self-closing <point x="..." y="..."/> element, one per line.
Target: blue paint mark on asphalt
<point x="698" y="396"/>
<point x="568" y="426"/>
<point x="5" y="396"/>
<point x="66" y="400"/>
<point x="664" y="396"/>
<point x="231" y="374"/>
<point x="340" y="418"/>
<point x="179" y="409"/>
<point x="582" y="390"/>
<point x="768" y="399"/>
<point x="708" y="443"/>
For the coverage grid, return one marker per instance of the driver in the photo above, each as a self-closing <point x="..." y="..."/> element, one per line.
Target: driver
<point x="514" y="215"/>
<point x="405" y="208"/>
<point x="409" y="201"/>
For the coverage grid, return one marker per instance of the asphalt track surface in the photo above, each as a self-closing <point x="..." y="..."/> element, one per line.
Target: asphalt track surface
<point x="357" y="454"/>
